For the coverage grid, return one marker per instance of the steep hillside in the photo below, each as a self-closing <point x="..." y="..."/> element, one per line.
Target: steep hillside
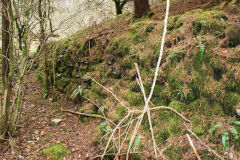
<point x="200" y="76"/>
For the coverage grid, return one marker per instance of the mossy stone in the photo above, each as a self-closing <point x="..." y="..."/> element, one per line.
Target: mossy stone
<point x="56" y="151"/>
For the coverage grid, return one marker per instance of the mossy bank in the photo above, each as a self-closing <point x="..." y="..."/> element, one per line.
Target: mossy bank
<point x="199" y="74"/>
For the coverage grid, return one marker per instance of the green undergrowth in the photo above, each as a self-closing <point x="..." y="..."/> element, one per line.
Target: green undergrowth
<point x="193" y="79"/>
<point x="56" y="151"/>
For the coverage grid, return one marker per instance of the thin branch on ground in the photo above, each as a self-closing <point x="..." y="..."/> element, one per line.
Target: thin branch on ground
<point x="89" y="115"/>
<point x="193" y="147"/>
<point x="209" y="149"/>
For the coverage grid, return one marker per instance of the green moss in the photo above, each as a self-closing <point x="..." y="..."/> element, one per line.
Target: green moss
<point x="160" y="101"/>
<point x="150" y="27"/>
<point x="199" y="127"/>
<point x="175" y="127"/>
<point x="233" y="36"/>
<point x="217" y="8"/>
<point x="157" y="90"/>
<point x="119" y="47"/>
<point x="127" y="62"/>
<point x="134" y="99"/>
<point x="209" y="22"/>
<point x="176" y="55"/>
<point x="231" y="82"/>
<point x="199" y="106"/>
<point x="180" y="22"/>
<point x="96" y="95"/>
<point x="172" y="22"/>
<point x="173" y="152"/>
<point x="217" y="109"/>
<point x="230" y="101"/>
<point x="145" y="124"/>
<point x="199" y="130"/>
<point x="177" y="89"/>
<point x="195" y="11"/>
<point x="175" y="22"/>
<point x="140" y="30"/>
<point x="56" y="151"/>
<point x="208" y="157"/>
<point x="198" y="80"/>
<point x="162" y="137"/>
<point x="121" y="112"/>
<point x="178" y="106"/>
<point x="134" y="87"/>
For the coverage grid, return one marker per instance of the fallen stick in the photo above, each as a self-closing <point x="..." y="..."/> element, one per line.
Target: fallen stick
<point x="89" y="115"/>
<point x="209" y="149"/>
<point x="192" y="145"/>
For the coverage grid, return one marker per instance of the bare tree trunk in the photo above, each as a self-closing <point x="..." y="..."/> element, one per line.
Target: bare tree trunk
<point x="6" y="46"/>
<point x="42" y="42"/>
<point x="141" y="7"/>
<point x="5" y="39"/>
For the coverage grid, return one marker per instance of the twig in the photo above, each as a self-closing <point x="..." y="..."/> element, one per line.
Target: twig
<point x="169" y="108"/>
<point x="115" y="129"/>
<point x="89" y="115"/>
<point x="108" y="91"/>
<point x="114" y="154"/>
<point x="209" y="149"/>
<point x="146" y="107"/>
<point x="148" y="110"/>
<point x="192" y="145"/>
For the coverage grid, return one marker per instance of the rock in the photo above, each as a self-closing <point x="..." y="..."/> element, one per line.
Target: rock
<point x="238" y="112"/>
<point x="56" y="122"/>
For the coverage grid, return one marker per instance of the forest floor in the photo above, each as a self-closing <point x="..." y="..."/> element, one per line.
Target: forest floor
<point x="36" y="133"/>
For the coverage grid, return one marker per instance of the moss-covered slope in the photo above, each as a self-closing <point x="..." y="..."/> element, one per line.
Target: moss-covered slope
<point x="200" y="73"/>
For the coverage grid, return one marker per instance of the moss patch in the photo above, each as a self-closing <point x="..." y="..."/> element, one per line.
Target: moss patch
<point x="211" y="22"/>
<point x="173" y="152"/>
<point x="56" y="151"/>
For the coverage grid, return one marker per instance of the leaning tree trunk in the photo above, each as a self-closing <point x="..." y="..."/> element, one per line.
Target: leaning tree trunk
<point x="6" y="47"/>
<point x="141" y="7"/>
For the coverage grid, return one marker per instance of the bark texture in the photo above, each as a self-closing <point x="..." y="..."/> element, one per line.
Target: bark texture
<point x="5" y="40"/>
<point x="141" y="7"/>
<point x="5" y="105"/>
